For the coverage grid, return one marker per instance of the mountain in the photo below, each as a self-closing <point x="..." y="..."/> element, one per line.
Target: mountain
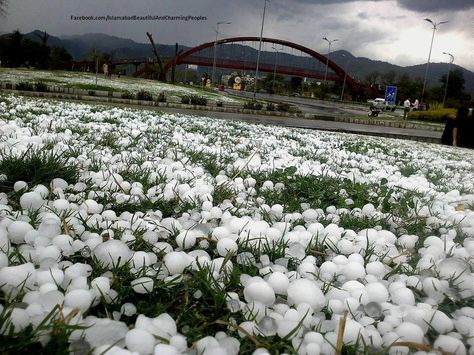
<point x="358" y="67"/>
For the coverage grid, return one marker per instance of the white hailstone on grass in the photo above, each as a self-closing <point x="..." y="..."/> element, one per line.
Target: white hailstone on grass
<point x="20" y="319"/>
<point x="31" y="201"/>
<point x="81" y="299"/>
<point x="20" y="185"/>
<point x="176" y="262"/>
<point x="91" y="207"/>
<point x="259" y="291"/>
<point x="402" y="295"/>
<point x="179" y="342"/>
<point x="220" y="232"/>
<point x="141" y="341"/>
<point x="104" y="331"/>
<point x="142" y="285"/>
<point x="165" y="349"/>
<point x="226" y="246"/>
<point x="410" y="332"/>
<point x="449" y="345"/>
<point x="407" y="241"/>
<point x="353" y="271"/>
<point x="17" y="231"/>
<point x="12" y="277"/>
<point x="376" y="292"/>
<point x="279" y="282"/>
<point x="112" y="253"/>
<point x="64" y="243"/>
<point x="59" y="183"/>
<point x="140" y="259"/>
<point x="128" y="309"/>
<point x="376" y="268"/>
<point x="53" y="275"/>
<point x="3" y="259"/>
<point x="101" y="285"/>
<point x="440" y="322"/>
<point x="306" y="291"/>
<point x="186" y="239"/>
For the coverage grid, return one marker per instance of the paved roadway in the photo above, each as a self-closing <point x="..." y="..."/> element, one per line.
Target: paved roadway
<point x="314" y="106"/>
<point x="373" y="130"/>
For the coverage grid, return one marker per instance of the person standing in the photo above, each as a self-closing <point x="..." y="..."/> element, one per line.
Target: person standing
<point x="105" y="69"/>
<point x="406" y="108"/>
<point x="464" y="130"/>
<point x="416" y="105"/>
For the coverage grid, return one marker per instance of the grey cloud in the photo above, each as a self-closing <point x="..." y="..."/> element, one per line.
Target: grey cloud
<point x="436" y="5"/>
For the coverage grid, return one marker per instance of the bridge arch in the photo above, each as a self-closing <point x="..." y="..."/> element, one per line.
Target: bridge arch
<point x="181" y="59"/>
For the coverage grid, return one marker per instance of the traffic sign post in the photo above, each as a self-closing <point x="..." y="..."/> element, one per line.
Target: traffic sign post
<point x="391" y="95"/>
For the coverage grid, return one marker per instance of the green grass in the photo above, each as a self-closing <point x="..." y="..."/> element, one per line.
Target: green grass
<point x="35" y="167"/>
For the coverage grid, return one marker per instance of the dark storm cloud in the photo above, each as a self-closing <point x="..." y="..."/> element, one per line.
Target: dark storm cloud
<point x="414" y="5"/>
<point x="436" y="5"/>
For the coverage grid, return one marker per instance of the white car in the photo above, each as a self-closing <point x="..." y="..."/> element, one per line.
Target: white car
<point x="380" y="104"/>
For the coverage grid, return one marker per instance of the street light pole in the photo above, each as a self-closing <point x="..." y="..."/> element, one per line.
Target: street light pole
<point x="345" y="76"/>
<point x="435" y="26"/>
<point x="451" y="60"/>
<point x="215" y="46"/>
<point x="259" y="51"/>
<point x="274" y="68"/>
<point x="327" y="58"/>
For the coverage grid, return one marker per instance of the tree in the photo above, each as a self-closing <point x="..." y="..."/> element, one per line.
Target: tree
<point x="389" y="77"/>
<point x="59" y="56"/>
<point x="455" y="84"/>
<point x="372" y="77"/>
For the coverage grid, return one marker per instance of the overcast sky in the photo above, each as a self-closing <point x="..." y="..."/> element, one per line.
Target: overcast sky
<point x="389" y="30"/>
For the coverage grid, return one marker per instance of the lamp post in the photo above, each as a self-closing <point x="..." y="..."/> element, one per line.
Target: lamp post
<point x="435" y="26"/>
<point x="327" y="58"/>
<point x="274" y="68"/>
<point x="259" y="50"/>
<point x="345" y="76"/>
<point x="215" y="46"/>
<point x="451" y="60"/>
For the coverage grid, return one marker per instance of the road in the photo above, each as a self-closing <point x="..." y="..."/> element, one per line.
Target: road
<point x="373" y="130"/>
<point x="314" y="106"/>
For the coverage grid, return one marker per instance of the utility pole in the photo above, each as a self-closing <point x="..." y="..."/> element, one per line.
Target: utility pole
<point x="451" y="60"/>
<point x="259" y="51"/>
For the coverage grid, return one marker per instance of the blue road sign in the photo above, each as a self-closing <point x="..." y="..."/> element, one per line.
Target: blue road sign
<point x="391" y="94"/>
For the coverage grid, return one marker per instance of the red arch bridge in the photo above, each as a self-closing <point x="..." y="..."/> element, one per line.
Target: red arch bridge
<point x="197" y="56"/>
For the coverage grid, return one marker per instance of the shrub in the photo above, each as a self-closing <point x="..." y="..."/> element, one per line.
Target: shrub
<point x="198" y="100"/>
<point x="41" y="87"/>
<point x="185" y="100"/>
<point x="270" y="107"/>
<point x="35" y="167"/>
<point x="127" y="95"/>
<point x="438" y="115"/>
<point x="253" y="105"/>
<point x="144" y="95"/>
<point x="9" y="86"/>
<point x="219" y="104"/>
<point x="24" y="86"/>
<point x="161" y="97"/>
<point x="283" y="107"/>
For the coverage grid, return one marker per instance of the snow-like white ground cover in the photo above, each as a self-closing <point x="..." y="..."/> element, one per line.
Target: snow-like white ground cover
<point x="190" y="235"/>
<point x="124" y="83"/>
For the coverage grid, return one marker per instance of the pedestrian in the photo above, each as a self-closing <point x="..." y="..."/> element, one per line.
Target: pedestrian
<point x="105" y="69"/>
<point x="406" y="108"/>
<point x="457" y="130"/>
<point x="416" y="105"/>
<point x="465" y="126"/>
